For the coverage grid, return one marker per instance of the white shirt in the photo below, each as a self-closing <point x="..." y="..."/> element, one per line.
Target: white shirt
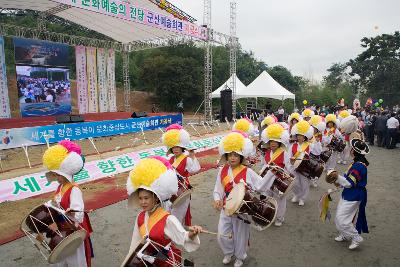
<point x="392" y="123"/>
<point x="253" y="180"/>
<point x="76" y="203"/>
<point x="49" y="98"/>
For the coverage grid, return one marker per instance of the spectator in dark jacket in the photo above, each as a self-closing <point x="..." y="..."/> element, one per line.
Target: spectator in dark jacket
<point x="380" y="129"/>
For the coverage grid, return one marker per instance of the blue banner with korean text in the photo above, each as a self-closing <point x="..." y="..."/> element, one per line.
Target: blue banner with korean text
<point x="18" y="137"/>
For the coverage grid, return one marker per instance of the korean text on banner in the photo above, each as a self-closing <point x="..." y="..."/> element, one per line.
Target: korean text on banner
<point x="4" y="100"/>
<point x="81" y="77"/>
<point x="126" y="11"/>
<point x="112" y="94"/>
<point x="102" y="79"/>
<point x="92" y="79"/>
<point x="30" y="136"/>
<point x="36" y="184"/>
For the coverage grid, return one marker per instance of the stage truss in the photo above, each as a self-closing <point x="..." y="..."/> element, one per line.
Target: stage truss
<point x="213" y="37"/>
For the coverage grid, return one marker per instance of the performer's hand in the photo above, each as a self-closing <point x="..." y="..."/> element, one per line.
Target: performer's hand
<point x="53" y="227"/>
<point x="194" y="230"/>
<point x="292" y="161"/>
<point x="218" y="205"/>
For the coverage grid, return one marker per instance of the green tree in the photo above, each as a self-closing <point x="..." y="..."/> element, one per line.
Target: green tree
<point x="377" y="69"/>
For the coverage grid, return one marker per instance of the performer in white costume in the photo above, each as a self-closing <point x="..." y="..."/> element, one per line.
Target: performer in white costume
<point x="234" y="148"/>
<point x="330" y="132"/>
<point x="177" y="141"/>
<point x="149" y="184"/>
<point x="277" y="139"/>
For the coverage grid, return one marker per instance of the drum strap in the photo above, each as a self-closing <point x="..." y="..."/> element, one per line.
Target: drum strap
<point x="146" y="226"/>
<point x="177" y="161"/>
<point x="278" y="152"/>
<point x="303" y="148"/>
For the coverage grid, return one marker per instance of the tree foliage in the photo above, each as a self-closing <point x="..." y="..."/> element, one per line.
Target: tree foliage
<point x="377" y="69"/>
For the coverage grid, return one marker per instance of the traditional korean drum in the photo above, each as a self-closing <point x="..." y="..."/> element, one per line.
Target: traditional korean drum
<point x="308" y="166"/>
<point x="242" y="201"/>
<point x="53" y="245"/>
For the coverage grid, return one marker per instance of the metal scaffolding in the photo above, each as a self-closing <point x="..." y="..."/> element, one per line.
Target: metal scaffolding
<point x="213" y="37"/>
<point x="127" y="83"/>
<point x="208" y="63"/>
<point x="232" y="55"/>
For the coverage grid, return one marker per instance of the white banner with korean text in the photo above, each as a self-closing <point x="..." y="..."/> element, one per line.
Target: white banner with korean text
<point x="36" y="184"/>
<point x="93" y="104"/>
<point x="102" y="79"/>
<point x="81" y="79"/>
<point x="4" y="99"/>
<point x="112" y="94"/>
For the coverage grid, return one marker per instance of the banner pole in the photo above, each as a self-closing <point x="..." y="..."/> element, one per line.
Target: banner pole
<point x="95" y="147"/>
<point x="27" y="155"/>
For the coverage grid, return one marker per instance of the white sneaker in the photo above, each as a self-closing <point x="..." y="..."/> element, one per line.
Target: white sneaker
<point x="340" y="238"/>
<point x="294" y="199"/>
<point x="238" y="263"/>
<point x="301" y="202"/>
<point x="344" y="162"/>
<point x="339" y="162"/>
<point x="278" y="223"/>
<point x="355" y="243"/>
<point x="227" y="259"/>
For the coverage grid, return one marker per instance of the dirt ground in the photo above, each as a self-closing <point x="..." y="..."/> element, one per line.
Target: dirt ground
<point x="302" y="241"/>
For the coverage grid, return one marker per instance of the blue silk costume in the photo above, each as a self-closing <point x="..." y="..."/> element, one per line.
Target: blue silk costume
<point x="357" y="177"/>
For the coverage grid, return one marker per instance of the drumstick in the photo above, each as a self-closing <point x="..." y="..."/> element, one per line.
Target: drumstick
<point x="214" y="233"/>
<point x="86" y="211"/>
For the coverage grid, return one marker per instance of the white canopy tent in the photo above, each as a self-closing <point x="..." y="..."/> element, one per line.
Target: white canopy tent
<point x="265" y="86"/>
<point x="240" y="88"/>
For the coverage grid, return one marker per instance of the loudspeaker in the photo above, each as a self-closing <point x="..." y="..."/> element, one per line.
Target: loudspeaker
<point x="139" y="114"/>
<point x="226" y="105"/>
<point x="77" y="118"/>
<point x="69" y="119"/>
<point x="63" y="119"/>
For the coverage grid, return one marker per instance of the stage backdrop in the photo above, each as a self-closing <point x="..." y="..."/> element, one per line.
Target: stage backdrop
<point x="92" y="79"/>
<point x="102" y="80"/>
<point x="4" y="99"/>
<point x="112" y="94"/>
<point x="42" y="79"/>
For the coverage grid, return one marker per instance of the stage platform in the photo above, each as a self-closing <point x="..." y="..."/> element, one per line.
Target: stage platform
<point x="50" y="120"/>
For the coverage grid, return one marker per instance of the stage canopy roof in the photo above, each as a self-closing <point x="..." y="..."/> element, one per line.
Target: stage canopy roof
<point x="118" y="29"/>
<point x="240" y="88"/>
<point x="265" y="86"/>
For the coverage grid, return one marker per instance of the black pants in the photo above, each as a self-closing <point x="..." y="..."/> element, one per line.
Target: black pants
<point x="381" y="138"/>
<point x="392" y="136"/>
<point x="371" y="135"/>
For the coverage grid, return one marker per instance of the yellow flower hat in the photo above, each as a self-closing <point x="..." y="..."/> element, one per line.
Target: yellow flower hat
<point x="307" y="113"/>
<point x="64" y="159"/>
<point x="154" y="174"/>
<point x="294" y="115"/>
<point x="331" y="118"/>
<point x="275" y="132"/>
<point x="268" y="121"/>
<point x="317" y="122"/>
<point x="343" y="114"/>
<point x="235" y="141"/>
<point x="174" y="136"/>
<point x="244" y="125"/>
<point x="303" y="128"/>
